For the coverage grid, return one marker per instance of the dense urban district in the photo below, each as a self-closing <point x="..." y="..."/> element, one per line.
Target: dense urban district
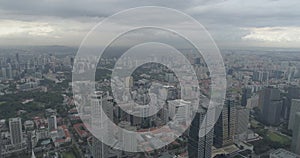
<point x="39" y="118"/>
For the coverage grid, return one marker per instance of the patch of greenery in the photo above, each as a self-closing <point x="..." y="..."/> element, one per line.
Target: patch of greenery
<point x="271" y="140"/>
<point x="102" y="74"/>
<point x="68" y="155"/>
<point x="12" y="103"/>
<point x="282" y="140"/>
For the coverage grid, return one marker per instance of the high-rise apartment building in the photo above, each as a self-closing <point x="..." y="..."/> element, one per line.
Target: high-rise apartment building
<point x="15" y="127"/>
<point x="52" y="123"/>
<point x="260" y="76"/>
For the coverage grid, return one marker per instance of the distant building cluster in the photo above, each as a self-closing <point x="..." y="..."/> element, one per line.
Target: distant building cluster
<point x="260" y="115"/>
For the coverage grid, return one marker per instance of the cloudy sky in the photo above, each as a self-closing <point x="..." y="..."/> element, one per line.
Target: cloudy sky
<point x="232" y="23"/>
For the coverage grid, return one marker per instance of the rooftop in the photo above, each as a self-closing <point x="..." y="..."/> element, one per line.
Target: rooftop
<point x="281" y="153"/>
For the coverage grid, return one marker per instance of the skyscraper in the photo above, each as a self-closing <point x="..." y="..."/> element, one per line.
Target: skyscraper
<point x="293" y="93"/>
<point x="296" y="135"/>
<point x="96" y="101"/>
<point x="98" y="149"/>
<point x="242" y="121"/>
<point x="126" y="137"/>
<point x="102" y="105"/>
<point x="15" y="127"/>
<point x="247" y="91"/>
<point x="129" y="82"/>
<point x="295" y="107"/>
<point x="17" y="58"/>
<point x="52" y="123"/>
<point x="200" y="147"/>
<point x="4" y="75"/>
<point x="225" y="127"/>
<point x="102" y="109"/>
<point x="270" y="104"/>
<point x="10" y="75"/>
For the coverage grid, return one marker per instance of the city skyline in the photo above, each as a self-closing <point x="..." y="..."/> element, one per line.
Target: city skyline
<point x="149" y="79"/>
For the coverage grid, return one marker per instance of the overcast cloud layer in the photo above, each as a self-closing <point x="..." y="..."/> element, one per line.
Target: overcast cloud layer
<point x="232" y="23"/>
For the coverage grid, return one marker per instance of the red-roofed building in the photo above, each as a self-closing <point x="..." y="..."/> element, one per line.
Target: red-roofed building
<point x="81" y="130"/>
<point x="62" y="136"/>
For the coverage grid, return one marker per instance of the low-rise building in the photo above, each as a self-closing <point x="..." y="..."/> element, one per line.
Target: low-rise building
<point x="282" y="153"/>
